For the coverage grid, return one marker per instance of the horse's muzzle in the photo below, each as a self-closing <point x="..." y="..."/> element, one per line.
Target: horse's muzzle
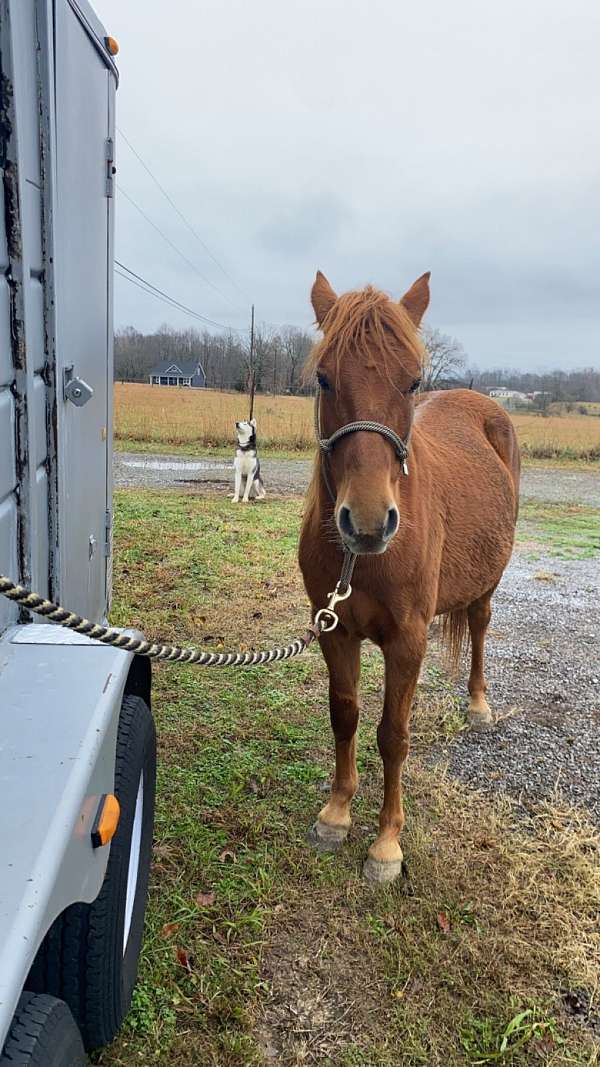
<point x="367" y="542"/>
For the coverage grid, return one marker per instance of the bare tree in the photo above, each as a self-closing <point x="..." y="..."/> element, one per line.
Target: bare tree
<point x="446" y="361"/>
<point x="296" y="345"/>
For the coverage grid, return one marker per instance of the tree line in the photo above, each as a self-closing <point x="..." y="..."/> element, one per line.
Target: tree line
<point x="278" y="357"/>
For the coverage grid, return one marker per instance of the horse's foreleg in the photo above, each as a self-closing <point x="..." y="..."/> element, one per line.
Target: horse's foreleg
<point x="342" y="655"/>
<point x="402" y="665"/>
<point x="479" y="615"/>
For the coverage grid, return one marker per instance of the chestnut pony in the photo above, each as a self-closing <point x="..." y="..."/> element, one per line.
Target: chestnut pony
<point x="434" y="541"/>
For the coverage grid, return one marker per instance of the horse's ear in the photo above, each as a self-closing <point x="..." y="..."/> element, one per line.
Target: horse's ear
<point x="416" y="300"/>
<point x="322" y="297"/>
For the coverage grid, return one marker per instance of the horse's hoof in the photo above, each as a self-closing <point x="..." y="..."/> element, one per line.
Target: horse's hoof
<point x="480" y="720"/>
<point x="380" y="872"/>
<point x="327" y="838"/>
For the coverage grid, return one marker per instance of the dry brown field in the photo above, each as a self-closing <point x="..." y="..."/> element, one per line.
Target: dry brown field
<point x="150" y="416"/>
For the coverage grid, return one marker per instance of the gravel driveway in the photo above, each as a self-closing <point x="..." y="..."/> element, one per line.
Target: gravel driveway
<point x="543" y="653"/>
<point x="143" y="471"/>
<point x="137" y="471"/>
<point x="543" y="672"/>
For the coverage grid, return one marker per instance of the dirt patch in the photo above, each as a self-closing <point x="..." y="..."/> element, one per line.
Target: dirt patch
<point x="316" y="1004"/>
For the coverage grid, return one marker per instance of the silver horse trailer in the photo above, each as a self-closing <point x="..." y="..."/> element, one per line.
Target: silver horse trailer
<point x="77" y="745"/>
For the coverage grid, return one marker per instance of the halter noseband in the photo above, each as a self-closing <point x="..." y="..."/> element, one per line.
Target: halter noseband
<point x="326" y="443"/>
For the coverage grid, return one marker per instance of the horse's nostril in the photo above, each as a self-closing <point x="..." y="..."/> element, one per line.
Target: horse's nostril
<point x="391" y="523"/>
<point x="345" y="522"/>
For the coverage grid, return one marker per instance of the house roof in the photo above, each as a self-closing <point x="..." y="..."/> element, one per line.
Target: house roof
<point x="187" y="368"/>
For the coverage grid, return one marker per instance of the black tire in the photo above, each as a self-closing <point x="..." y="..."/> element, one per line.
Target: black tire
<point x="81" y="959"/>
<point x="43" y="1033"/>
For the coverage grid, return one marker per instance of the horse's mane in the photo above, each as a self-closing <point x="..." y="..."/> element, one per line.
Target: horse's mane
<point x="364" y="321"/>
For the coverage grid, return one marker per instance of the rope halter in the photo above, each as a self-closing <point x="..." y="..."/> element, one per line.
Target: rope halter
<point x="326" y="443"/>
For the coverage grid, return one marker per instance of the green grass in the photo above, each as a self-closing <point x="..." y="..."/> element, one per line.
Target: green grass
<point x="254" y="941"/>
<point x="499" y="1040"/>
<point x="567" y="531"/>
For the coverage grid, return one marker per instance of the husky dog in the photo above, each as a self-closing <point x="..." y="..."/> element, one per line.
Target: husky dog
<point x="246" y="464"/>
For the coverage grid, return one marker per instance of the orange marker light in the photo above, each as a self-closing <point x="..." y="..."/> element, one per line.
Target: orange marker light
<point x="112" y="46"/>
<point x="106" y="821"/>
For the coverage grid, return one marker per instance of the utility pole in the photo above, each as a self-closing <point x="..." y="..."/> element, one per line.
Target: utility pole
<point x="252" y="369"/>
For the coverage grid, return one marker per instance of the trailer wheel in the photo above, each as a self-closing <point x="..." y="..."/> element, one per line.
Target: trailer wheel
<point x="43" y="1033"/>
<point x="90" y="955"/>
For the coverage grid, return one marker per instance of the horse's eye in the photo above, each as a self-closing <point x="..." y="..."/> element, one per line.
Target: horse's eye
<point x="415" y="386"/>
<point x="323" y="381"/>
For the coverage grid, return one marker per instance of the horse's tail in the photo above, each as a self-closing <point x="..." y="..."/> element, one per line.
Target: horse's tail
<point x="455" y="635"/>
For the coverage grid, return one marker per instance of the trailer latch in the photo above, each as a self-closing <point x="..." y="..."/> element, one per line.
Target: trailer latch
<point x="75" y="389"/>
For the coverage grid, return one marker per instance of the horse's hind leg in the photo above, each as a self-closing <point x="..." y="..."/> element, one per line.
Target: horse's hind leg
<point x="479" y="614"/>
<point x="342" y="655"/>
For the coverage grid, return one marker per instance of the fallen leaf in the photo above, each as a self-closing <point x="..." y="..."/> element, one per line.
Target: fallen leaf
<point x="228" y="854"/>
<point x="205" y="900"/>
<point x="543" y="576"/>
<point x="443" y="922"/>
<point x="169" y="929"/>
<point x="542" y="1046"/>
<point x="184" y="960"/>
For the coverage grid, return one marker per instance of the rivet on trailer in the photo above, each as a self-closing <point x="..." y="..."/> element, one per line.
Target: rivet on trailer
<point x="77" y="744"/>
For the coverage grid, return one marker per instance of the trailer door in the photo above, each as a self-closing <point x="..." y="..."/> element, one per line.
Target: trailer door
<point x="84" y="110"/>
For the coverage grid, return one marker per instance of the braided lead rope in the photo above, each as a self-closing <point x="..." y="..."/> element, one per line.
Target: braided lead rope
<point x="325" y="620"/>
<point x="39" y="606"/>
<point x="347" y="571"/>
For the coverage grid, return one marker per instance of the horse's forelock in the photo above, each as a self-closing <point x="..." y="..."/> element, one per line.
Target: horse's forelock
<point x="367" y="322"/>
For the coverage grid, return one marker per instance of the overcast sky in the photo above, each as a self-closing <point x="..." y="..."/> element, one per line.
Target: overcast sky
<point x="373" y="140"/>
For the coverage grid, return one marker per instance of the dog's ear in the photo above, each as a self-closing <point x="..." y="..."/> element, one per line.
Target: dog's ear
<point x="253" y="423"/>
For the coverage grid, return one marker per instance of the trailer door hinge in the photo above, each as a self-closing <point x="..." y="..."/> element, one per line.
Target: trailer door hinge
<point x="110" y="167"/>
<point x="107" y="533"/>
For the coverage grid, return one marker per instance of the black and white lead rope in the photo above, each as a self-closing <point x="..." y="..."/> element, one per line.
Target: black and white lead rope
<point x="325" y="620"/>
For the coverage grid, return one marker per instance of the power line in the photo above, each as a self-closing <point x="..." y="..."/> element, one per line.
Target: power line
<point x="180" y="213"/>
<point x="149" y="292"/>
<point x="172" y="245"/>
<point x="159" y="294"/>
<point x="153" y="290"/>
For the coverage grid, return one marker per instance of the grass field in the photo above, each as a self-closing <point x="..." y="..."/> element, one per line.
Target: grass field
<point x="147" y="415"/>
<point x="258" y="949"/>
<point x="151" y="418"/>
<point x="567" y="531"/>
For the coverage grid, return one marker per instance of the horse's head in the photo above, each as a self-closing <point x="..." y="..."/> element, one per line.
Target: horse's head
<point x="368" y="365"/>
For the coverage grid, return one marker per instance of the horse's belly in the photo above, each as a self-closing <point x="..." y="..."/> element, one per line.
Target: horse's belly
<point x="472" y="565"/>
